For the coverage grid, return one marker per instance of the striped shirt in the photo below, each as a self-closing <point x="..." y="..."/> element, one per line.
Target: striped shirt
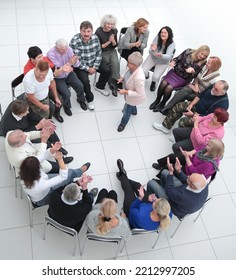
<point x="90" y="53"/>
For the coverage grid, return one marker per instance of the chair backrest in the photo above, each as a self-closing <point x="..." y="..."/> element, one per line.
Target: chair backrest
<point x="17" y="81"/>
<point x="65" y="229"/>
<point x="122" y="32"/>
<point x="1" y="114"/>
<point x="100" y="238"/>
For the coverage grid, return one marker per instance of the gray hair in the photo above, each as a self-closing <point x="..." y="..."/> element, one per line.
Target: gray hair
<point x="135" y="58"/>
<point x="226" y="85"/>
<point x="61" y="43"/>
<point x="71" y="192"/>
<point x="108" y="19"/>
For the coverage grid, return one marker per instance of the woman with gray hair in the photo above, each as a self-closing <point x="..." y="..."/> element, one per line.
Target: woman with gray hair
<point x="107" y="35"/>
<point x="133" y="88"/>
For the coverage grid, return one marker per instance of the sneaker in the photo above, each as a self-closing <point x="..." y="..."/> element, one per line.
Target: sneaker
<point x="159" y="126"/>
<point x="172" y="138"/>
<point x="94" y="191"/>
<point x="91" y="106"/>
<point x="102" y="91"/>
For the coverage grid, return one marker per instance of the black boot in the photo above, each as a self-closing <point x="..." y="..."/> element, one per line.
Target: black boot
<point x="120" y="166"/>
<point x="154" y="104"/>
<point x="153" y="86"/>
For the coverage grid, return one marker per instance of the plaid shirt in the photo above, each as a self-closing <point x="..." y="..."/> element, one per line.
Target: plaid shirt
<point x="90" y="54"/>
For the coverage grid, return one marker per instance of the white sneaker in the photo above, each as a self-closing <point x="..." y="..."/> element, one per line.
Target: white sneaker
<point x="172" y="138"/>
<point x="159" y="126"/>
<point x="91" y="106"/>
<point x="102" y="91"/>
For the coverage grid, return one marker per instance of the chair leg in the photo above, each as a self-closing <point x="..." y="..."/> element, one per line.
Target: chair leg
<point x="15" y="188"/>
<point x="117" y="250"/>
<point x="158" y="236"/>
<point x="176" y="229"/>
<point x="31" y="215"/>
<point x="44" y="230"/>
<point x="83" y="246"/>
<point x="95" y="78"/>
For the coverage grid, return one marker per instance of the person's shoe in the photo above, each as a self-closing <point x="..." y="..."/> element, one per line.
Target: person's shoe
<point x="152" y="86"/>
<point x="58" y="118"/>
<point x="134" y="113"/>
<point x="102" y="91"/>
<point x="91" y="106"/>
<point x="172" y="138"/>
<point x="82" y="104"/>
<point x="147" y="77"/>
<point x="94" y="192"/>
<point x="68" y="160"/>
<point x="164" y="111"/>
<point x="86" y="166"/>
<point x="63" y="151"/>
<point x="158" y="108"/>
<point x="156" y="166"/>
<point x="153" y="105"/>
<point x="120" y="128"/>
<point x="114" y="92"/>
<point x="67" y="111"/>
<point x="159" y="126"/>
<point x="118" y="174"/>
<point x="120" y="166"/>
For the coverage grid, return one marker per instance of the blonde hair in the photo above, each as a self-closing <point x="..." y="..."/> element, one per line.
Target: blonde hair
<point x="108" y="210"/>
<point x="217" y="149"/>
<point x="162" y="207"/>
<point x="201" y="49"/>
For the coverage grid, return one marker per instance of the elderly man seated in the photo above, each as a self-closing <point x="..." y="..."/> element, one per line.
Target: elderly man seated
<point x="63" y="58"/>
<point x="65" y="205"/>
<point x="186" y="194"/>
<point x="19" y="146"/>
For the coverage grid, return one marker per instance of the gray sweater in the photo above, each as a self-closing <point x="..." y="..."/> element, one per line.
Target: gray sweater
<point x="122" y="229"/>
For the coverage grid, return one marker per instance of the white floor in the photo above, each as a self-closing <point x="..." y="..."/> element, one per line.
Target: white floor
<point x="93" y="136"/>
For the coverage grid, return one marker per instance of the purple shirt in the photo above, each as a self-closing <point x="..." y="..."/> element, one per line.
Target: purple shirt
<point x="61" y="59"/>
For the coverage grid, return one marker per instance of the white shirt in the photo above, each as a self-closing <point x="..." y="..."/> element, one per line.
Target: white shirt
<point x="39" y="89"/>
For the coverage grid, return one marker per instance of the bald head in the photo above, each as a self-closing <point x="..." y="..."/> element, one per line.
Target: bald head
<point x="197" y="181"/>
<point x="16" y="138"/>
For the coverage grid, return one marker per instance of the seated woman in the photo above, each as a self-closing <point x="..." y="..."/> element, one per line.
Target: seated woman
<point x="186" y="66"/>
<point x="160" y="54"/>
<point x="205" y="128"/>
<point x="135" y="38"/>
<point x="39" y="185"/>
<point x="207" y="77"/>
<point x="104" y="218"/>
<point x="203" y="160"/>
<point x="107" y="35"/>
<point x="146" y="215"/>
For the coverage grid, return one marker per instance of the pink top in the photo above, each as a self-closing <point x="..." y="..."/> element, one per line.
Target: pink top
<point x="201" y="135"/>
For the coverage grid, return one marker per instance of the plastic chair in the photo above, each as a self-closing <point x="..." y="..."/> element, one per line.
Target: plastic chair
<point x="16" y="179"/>
<point x="122" y="33"/>
<point x="1" y="114"/>
<point x="68" y="230"/>
<point x="100" y="238"/>
<point x="17" y="81"/>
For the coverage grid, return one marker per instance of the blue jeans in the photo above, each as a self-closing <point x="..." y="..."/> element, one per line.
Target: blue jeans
<point x="159" y="189"/>
<point x="127" y="112"/>
<point x="72" y="173"/>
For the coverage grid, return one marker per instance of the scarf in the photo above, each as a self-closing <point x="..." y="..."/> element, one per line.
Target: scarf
<point x="201" y="156"/>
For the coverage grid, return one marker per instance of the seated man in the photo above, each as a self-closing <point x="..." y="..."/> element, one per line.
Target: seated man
<point x="86" y="46"/>
<point x="206" y="102"/>
<point x="36" y="83"/>
<point x="63" y="58"/>
<point x="65" y="205"/>
<point x="186" y="195"/>
<point x="18" y="115"/>
<point x="19" y="146"/>
<point x="35" y="54"/>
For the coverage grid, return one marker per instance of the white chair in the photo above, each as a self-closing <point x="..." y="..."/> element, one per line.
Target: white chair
<point x="68" y="230"/>
<point x="101" y="238"/>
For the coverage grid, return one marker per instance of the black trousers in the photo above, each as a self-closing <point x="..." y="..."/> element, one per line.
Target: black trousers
<point x="105" y="194"/>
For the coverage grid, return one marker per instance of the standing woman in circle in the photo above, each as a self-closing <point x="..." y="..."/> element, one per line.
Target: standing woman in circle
<point x="186" y="67"/>
<point x="135" y="38"/>
<point x="160" y="54"/>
